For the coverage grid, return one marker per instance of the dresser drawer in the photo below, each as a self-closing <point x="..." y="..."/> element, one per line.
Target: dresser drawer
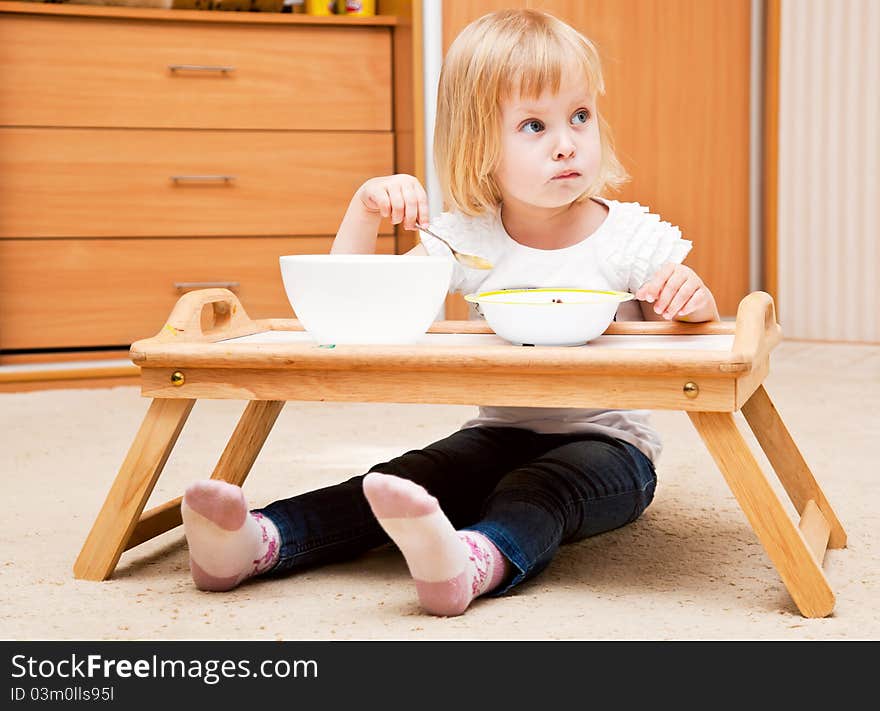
<point x="72" y="71"/>
<point x="136" y="183"/>
<point x="106" y="292"/>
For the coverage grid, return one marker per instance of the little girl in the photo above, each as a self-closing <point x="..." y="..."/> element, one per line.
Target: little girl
<point x="523" y="156"/>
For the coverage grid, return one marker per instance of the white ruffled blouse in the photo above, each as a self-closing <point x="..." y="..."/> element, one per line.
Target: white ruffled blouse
<point x="621" y="255"/>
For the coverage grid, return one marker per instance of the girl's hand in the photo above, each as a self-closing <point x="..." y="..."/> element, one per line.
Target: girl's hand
<point x="677" y="292"/>
<point x="400" y="197"/>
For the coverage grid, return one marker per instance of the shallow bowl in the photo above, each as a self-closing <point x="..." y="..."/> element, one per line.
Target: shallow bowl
<point x="548" y="317"/>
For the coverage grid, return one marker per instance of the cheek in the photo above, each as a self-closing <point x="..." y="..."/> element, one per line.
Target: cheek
<point x="596" y="140"/>
<point x="595" y="158"/>
<point x="509" y="150"/>
<point x="593" y="151"/>
<point x="510" y="163"/>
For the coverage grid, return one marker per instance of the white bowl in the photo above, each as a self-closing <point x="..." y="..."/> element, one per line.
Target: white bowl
<point x="548" y="317"/>
<point x="365" y="298"/>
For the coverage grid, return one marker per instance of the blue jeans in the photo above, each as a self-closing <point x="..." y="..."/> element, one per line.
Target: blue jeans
<point x="527" y="492"/>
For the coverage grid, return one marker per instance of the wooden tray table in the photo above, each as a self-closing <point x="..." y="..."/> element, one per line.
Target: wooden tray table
<point x="209" y="348"/>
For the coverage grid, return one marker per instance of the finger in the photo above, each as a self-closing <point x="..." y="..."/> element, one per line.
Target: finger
<point x="670" y="289"/>
<point x="650" y="290"/>
<point x="696" y="301"/>
<point x="411" y="208"/>
<point x="398" y="204"/>
<point x="424" y="217"/>
<point x="681" y="298"/>
<point x="369" y="199"/>
<point x="375" y="197"/>
<point x="383" y="201"/>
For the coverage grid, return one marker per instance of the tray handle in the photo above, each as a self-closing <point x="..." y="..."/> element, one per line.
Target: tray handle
<point x="756" y="326"/>
<point x="204" y="315"/>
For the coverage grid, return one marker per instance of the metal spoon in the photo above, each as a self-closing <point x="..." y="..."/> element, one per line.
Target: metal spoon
<point x="467" y="260"/>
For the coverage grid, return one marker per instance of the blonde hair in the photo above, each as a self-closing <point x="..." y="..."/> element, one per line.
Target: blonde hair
<point x="500" y="55"/>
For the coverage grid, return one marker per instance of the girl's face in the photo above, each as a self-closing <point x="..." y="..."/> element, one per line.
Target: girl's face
<point x="550" y="149"/>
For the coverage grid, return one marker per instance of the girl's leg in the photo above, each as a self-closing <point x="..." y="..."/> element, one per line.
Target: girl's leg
<point x="579" y="489"/>
<point x="336" y="522"/>
<point x="576" y="489"/>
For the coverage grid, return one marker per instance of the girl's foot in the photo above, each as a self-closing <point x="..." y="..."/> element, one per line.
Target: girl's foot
<point x="227" y="543"/>
<point x="450" y="568"/>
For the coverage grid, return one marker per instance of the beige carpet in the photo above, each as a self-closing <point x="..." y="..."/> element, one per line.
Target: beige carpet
<point x="691" y="568"/>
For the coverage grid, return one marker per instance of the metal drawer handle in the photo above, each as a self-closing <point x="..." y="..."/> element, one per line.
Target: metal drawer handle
<point x="191" y="285"/>
<point x="202" y="178"/>
<point x="200" y="68"/>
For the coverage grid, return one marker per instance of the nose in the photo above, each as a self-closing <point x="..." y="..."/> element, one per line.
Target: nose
<point x="565" y="146"/>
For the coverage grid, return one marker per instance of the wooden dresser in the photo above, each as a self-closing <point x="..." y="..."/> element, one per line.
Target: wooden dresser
<point x="144" y="153"/>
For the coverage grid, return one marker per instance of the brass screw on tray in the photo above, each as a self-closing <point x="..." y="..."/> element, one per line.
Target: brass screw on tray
<point x="177" y="379"/>
<point x="691" y="389"/>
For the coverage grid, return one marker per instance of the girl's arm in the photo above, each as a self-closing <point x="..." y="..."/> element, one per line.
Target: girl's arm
<point x="400" y="197"/>
<point x="358" y="230"/>
<point x="677" y="292"/>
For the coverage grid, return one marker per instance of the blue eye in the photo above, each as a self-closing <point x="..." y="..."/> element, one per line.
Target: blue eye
<point x="580" y="117"/>
<point x="533" y="126"/>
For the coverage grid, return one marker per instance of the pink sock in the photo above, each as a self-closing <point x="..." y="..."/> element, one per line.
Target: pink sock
<point x="450" y="568"/>
<point x="227" y="543"/>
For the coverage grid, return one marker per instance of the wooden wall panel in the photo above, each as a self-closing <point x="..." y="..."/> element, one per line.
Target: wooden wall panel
<point x="677" y="80"/>
<point x="770" y="159"/>
<point x="829" y="170"/>
<point x="409" y="98"/>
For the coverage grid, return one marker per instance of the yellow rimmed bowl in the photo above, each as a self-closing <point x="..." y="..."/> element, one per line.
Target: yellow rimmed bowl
<point x="548" y="317"/>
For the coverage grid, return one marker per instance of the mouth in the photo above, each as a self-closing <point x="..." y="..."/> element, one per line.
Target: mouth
<point x="566" y="175"/>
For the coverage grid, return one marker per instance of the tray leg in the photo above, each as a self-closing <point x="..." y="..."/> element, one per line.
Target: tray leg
<point x="246" y="442"/>
<point x="782" y="539"/>
<point x="234" y="465"/>
<point x="788" y="462"/>
<point x="132" y="487"/>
